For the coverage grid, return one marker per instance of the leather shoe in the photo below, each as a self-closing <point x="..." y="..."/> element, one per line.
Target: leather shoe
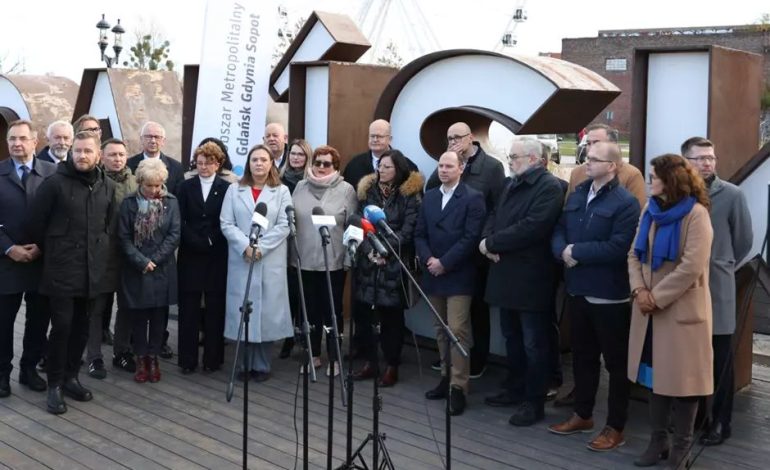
<point x="504" y="398"/>
<point x="288" y="345"/>
<point x="527" y="414"/>
<point x="573" y="425"/>
<point x="390" y="377"/>
<point x="440" y="392"/>
<point x="607" y="440"/>
<point x="30" y="378"/>
<point x="717" y="434"/>
<point x="456" y="401"/>
<point x="364" y="373"/>
<point x="55" y="402"/>
<point x="566" y="400"/>
<point x="5" y="385"/>
<point x="74" y="390"/>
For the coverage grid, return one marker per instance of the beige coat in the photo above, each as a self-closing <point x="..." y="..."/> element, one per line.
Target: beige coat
<point x="629" y="176"/>
<point x="682" y="358"/>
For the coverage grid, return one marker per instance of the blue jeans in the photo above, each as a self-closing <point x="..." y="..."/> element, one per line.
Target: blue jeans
<point x="526" y="342"/>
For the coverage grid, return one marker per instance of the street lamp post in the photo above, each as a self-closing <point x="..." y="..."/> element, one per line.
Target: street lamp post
<point x="104" y="27"/>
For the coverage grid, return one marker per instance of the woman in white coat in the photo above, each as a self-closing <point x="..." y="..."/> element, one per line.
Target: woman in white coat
<point x="270" y="319"/>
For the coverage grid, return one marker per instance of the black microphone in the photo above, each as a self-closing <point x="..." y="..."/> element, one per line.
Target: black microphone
<point x="319" y="219"/>
<point x="292" y="220"/>
<point x="258" y="222"/>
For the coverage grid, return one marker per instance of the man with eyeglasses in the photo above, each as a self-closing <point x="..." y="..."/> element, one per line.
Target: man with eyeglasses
<point x="516" y="238"/>
<point x="59" y="135"/>
<point x="275" y="139"/>
<point x="21" y="265"/>
<point x="87" y="123"/>
<point x="153" y="137"/>
<point x="592" y="239"/>
<point x="486" y="175"/>
<point x="733" y="239"/>
<point x="628" y="175"/>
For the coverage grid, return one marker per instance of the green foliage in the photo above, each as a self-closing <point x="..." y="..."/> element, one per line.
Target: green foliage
<point x="147" y="55"/>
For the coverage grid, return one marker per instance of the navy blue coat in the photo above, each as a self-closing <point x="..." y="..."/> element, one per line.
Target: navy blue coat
<point x="15" y="209"/>
<point x="601" y="234"/>
<point x="452" y="235"/>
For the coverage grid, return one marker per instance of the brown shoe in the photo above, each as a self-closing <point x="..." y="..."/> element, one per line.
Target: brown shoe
<point x="573" y="425"/>
<point x="390" y="377"/>
<point x="607" y="440"/>
<point x="364" y="373"/>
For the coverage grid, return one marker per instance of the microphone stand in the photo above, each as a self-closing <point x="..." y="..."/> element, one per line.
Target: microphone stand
<point x="451" y="341"/>
<point x="349" y="377"/>
<point x="243" y="328"/>
<point x="332" y="332"/>
<point x="303" y="337"/>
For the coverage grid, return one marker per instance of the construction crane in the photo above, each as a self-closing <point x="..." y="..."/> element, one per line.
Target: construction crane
<point x="508" y="38"/>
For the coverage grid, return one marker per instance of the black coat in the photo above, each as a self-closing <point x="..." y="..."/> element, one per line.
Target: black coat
<point x="202" y="259"/>
<point x="73" y="220"/>
<point x="519" y="230"/>
<point x="157" y="288"/>
<point x="401" y="210"/>
<point x="361" y="165"/>
<point x="15" y="212"/>
<point x="175" y="170"/>
<point x="485" y="175"/>
<point x="45" y="155"/>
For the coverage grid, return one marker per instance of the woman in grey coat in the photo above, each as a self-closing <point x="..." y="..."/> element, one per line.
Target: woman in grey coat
<point x="323" y="187"/>
<point x="149" y="230"/>
<point x="270" y="319"/>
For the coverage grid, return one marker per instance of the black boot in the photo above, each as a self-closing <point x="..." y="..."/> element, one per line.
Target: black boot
<point x="684" y="422"/>
<point x="440" y="392"/>
<point x="74" y="390"/>
<point x="288" y="345"/>
<point x="55" y="401"/>
<point x="5" y="385"/>
<point x="659" y="446"/>
<point x="29" y="377"/>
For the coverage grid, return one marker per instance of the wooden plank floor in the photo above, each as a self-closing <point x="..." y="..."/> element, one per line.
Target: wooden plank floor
<point x="184" y="422"/>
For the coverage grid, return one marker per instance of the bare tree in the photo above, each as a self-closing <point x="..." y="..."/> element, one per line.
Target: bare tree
<point x="11" y="66"/>
<point x="287" y="31"/>
<point x="390" y="56"/>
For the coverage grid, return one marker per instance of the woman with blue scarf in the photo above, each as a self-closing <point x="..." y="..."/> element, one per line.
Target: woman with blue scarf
<point x="669" y="347"/>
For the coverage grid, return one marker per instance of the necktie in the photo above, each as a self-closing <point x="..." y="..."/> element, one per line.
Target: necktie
<point x="24" y="175"/>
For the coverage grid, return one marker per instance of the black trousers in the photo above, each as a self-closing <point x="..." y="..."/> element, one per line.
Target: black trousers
<point x="319" y="307"/>
<point x="480" y="321"/>
<point x="600" y="330"/>
<point x="190" y="316"/>
<point x="38" y="315"/>
<point x="68" y="338"/>
<point x="148" y="343"/>
<point x="724" y="380"/>
<point x="391" y="339"/>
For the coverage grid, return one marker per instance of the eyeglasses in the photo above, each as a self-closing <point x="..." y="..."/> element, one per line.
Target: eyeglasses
<point x="91" y="129"/>
<point x="297" y="154"/>
<point x="597" y="160"/>
<point x="454" y="138"/>
<point x="205" y="163"/>
<point x="708" y="158"/>
<point x="651" y="178"/>
<point x="153" y="137"/>
<point x="386" y="167"/>
<point x="513" y="156"/>
<point x="378" y="136"/>
<point x="23" y="139"/>
<point x="322" y="163"/>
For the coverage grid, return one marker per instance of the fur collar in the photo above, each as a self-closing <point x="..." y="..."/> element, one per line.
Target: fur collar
<point x="413" y="185"/>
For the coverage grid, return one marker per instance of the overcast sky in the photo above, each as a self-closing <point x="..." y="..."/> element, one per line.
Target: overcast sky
<point x="60" y="37"/>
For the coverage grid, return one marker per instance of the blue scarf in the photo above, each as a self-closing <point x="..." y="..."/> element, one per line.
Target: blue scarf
<point x="669" y="222"/>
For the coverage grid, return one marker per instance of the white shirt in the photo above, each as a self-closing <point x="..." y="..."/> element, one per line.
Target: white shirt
<point x="147" y="156"/>
<point x="206" y="184"/>
<point x="447" y="193"/>
<point x="375" y="161"/>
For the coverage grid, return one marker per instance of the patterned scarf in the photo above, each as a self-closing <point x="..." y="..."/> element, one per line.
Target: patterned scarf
<point x="386" y="189"/>
<point x="149" y="216"/>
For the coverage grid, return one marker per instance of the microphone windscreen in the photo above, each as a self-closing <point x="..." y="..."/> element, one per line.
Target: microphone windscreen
<point x="261" y="208"/>
<point x="374" y="214"/>
<point x="318" y="211"/>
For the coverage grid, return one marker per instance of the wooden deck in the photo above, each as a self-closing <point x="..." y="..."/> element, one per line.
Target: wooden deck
<point x="184" y="422"/>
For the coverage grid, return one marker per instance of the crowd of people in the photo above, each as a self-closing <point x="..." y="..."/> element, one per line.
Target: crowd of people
<point x="649" y="274"/>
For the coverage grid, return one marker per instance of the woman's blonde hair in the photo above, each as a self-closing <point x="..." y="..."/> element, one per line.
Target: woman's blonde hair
<point x="152" y="169"/>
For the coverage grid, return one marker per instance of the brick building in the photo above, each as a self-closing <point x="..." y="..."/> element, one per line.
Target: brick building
<point x="611" y="54"/>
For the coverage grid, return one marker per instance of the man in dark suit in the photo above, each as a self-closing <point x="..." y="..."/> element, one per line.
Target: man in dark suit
<point x="448" y="230"/>
<point x="20" y="267"/>
<point x="486" y="175"/>
<point x="153" y="137"/>
<point x="276" y="140"/>
<point x="59" y="136"/>
<point x="516" y="238"/>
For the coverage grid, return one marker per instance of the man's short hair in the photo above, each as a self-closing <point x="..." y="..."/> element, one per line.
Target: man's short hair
<point x="85" y="135"/>
<point x="531" y="146"/>
<point x="688" y="144"/>
<point x="85" y="117"/>
<point x="56" y="124"/>
<point x="460" y="160"/>
<point x="612" y="133"/>
<point x="152" y="123"/>
<point x="113" y="141"/>
<point x="24" y="122"/>
<point x="611" y="152"/>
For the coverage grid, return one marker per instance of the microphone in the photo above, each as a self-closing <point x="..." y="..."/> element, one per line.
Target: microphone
<point x="370" y="233"/>
<point x="377" y="216"/>
<point x="258" y="222"/>
<point x="323" y="222"/>
<point x="353" y="235"/>
<point x="292" y="220"/>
